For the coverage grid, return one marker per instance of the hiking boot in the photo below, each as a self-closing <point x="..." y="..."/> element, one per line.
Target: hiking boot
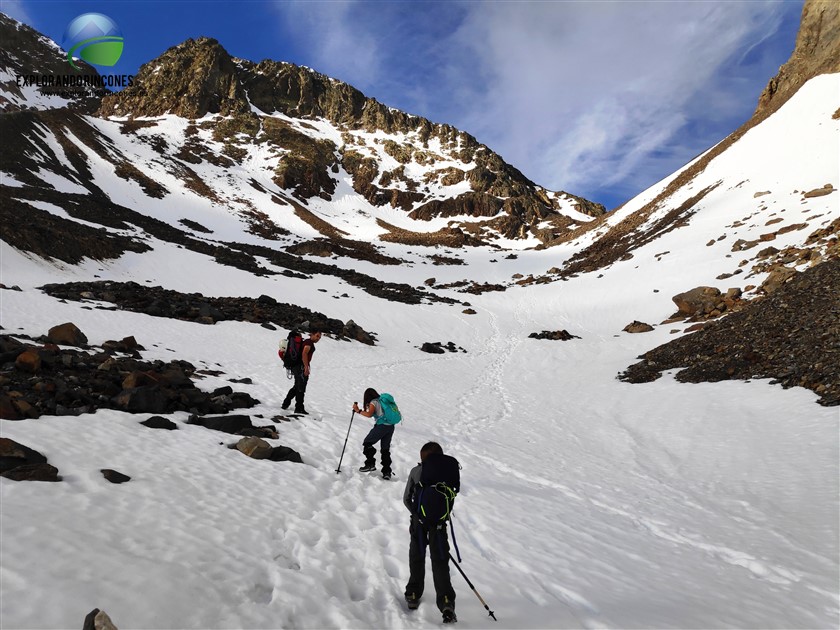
<point x="386" y="475"/>
<point x="285" y="404"/>
<point x="412" y="601"/>
<point x="449" y="616"/>
<point x="367" y="468"/>
<point x="301" y="411"/>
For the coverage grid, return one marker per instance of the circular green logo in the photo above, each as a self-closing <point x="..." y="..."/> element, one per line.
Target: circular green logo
<point x="94" y="37"/>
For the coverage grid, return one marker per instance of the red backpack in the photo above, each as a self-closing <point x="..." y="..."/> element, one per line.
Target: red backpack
<point x="291" y="349"/>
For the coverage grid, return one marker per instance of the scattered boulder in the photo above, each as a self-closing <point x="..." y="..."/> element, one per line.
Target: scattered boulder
<point x="699" y="299"/>
<point x="21" y="463"/>
<point x="98" y="620"/>
<point x="637" y="327"/>
<point x="819" y="192"/>
<point x="28" y="361"/>
<point x="436" y="347"/>
<point x="352" y="331"/>
<point x="779" y="276"/>
<point x="113" y="476"/>
<point x="227" y="424"/>
<point x="285" y="454"/>
<point x="158" y="422"/>
<point x="254" y="447"/>
<point x="8" y="411"/>
<point x="145" y="399"/>
<point x="67" y="334"/>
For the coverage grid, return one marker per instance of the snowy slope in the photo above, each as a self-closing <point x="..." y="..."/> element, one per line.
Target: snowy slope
<point x="587" y="502"/>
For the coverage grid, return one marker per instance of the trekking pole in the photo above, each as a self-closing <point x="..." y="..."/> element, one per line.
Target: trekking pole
<point x="338" y="470"/>
<point x="458" y="566"/>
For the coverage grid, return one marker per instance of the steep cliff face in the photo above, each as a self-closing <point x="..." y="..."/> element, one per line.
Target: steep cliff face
<point x="817" y="52"/>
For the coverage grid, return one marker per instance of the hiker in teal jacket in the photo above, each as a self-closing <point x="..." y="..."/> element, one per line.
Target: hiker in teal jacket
<point x="381" y="432"/>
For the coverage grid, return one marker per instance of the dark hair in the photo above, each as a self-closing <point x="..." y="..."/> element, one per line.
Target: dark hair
<point x="370" y="394"/>
<point x="430" y="448"/>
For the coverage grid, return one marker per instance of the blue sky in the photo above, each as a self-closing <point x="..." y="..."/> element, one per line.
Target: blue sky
<point x="601" y="99"/>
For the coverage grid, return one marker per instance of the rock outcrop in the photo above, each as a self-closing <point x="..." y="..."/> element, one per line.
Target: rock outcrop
<point x="817" y="51"/>
<point x="791" y="336"/>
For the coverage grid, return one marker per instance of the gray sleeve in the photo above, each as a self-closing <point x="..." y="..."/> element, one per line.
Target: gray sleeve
<point x="413" y="480"/>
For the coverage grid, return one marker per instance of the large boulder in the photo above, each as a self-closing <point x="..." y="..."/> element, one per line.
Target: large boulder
<point x="227" y="424"/>
<point x="67" y="334"/>
<point x="285" y="454"/>
<point x="114" y="476"/>
<point x="98" y="620"/>
<point x="28" y="361"/>
<point x="700" y="300"/>
<point x="637" y="327"/>
<point x="157" y="422"/>
<point x="779" y="276"/>
<point x="254" y="447"/>
<point x="147" y="399"/>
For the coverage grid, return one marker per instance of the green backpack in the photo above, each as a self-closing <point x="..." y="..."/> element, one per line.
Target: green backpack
<point x="391" y="413"/>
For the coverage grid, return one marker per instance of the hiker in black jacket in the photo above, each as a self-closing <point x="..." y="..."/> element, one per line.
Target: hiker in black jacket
<point x="432" y="535"/>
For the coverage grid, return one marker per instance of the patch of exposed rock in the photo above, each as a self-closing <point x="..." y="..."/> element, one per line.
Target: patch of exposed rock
<point x="554" y="335"/>
<point x="791" y="336"/>
<point x="160" y="302"/>
<point x="436" y="347"/>
<point x="43" y="379"/>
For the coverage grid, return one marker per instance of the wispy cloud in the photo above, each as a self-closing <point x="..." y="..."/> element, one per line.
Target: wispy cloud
<point x="16" y="10"/>
<point x="596" y="98"/>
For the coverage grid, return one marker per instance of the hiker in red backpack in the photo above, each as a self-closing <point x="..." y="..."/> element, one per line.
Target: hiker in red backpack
<point x="384" y="409"/>
<point x="301" y="372"/>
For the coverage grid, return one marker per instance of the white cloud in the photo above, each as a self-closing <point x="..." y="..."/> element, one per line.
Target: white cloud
<point x="579" y="96"/>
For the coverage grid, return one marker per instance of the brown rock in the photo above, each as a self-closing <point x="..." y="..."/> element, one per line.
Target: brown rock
<point x="139" y="379"/>
<point x="778" y="277"/>
<point x="637" y="327"/>
<point x="698" y="300"/>
<point x="28" y="361"/>
<point x="113" y="476"/>
<point x="819" y="192"/>
<point x="32" y="472"/>
<point x="254" y="447"/>
<point x="67" y="334"/>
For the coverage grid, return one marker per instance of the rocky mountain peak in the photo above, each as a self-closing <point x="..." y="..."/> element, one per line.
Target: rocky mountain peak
<point x="817" y="51"/>
<point x="191" y="79"/>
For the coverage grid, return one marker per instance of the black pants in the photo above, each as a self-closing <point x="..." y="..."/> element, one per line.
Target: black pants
<point x="438" y="544"/>
<point x="381" y="433"/>
<point x="298" y="390"/>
